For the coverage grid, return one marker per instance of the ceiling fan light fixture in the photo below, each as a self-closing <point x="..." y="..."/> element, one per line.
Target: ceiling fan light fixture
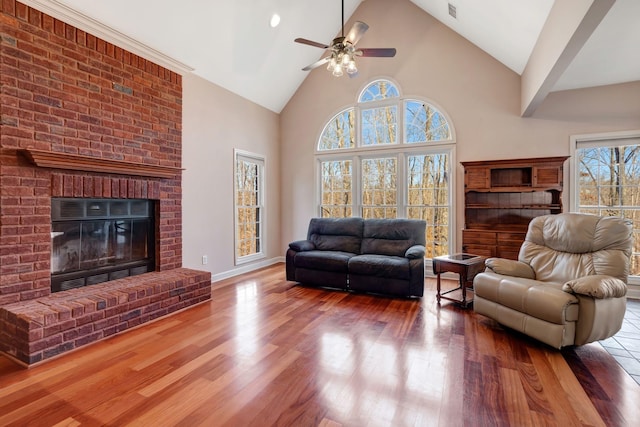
<point x="351" y="68"/>
<point x="342" y="50"/>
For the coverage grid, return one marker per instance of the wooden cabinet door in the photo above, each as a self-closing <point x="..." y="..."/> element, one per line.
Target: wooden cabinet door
<point x="477" y="178"/>
<point x="547" y="176"/>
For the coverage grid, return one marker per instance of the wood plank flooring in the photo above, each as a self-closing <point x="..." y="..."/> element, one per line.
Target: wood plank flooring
<point x="269" y="352"/>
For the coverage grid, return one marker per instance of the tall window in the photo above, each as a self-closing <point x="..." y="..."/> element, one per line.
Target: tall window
<point x="608" y="183"/>
<point x="389" y="157"/>
<point x="429" y="198"/>
<point x="379" y="188"/>
<point x="336" y="184"/>
<point x="249" y="210"/>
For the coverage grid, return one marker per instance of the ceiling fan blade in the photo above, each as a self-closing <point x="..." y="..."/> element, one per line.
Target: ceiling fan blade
<point x="379" y="52"/>
<point x="356" y="32"/>
<point x="317" y="64"/>
<point x="311" y="43"/>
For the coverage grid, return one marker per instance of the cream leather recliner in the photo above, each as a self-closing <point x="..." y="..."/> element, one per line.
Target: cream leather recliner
<point x="569" y="284"/>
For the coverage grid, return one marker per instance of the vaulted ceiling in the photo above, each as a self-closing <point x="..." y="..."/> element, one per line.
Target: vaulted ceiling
<point x="231" y="43"/>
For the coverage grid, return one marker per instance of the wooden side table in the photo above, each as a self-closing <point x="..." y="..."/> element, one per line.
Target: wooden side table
<point x="466" y="266"/>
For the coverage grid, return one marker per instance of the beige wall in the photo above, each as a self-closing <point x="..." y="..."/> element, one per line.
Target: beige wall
<point x="480" y="95"/>
<point x="215" y="122"/>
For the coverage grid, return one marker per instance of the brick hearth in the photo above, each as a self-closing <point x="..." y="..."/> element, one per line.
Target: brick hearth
<point x="38" y="329"/>
<point x="66" y="91"/>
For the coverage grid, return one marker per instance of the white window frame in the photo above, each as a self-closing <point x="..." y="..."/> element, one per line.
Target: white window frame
<point x="606" y="139"/>
<point x="401" y="150"/>
<point x="261" y="161"/>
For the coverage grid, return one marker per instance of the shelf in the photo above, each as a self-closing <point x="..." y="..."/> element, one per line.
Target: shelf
<point x="524" y="189"/>
<point x="56" y="160"/>
<point x="496" y="227"/>
<point x="501" y="198"/>
<point x="523" y="206"/>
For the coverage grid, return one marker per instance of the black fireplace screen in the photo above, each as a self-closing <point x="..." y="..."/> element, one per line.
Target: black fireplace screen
<point x="96" y="240"/>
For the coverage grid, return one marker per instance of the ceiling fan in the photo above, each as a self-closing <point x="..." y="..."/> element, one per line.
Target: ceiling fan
<point x="342" y="50"/>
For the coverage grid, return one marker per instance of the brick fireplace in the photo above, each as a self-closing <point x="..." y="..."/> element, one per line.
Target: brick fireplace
<point x="111" y="122"/>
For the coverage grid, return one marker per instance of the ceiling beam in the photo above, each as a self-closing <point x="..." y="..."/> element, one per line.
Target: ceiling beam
<point x="568" y="27"/>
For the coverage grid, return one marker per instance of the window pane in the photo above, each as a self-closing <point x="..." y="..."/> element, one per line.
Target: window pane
<point x="379" y="189"/>
<point x="428" y="199"/>
<point x="339" y="132"/>
<point x="336" y="189"/>
<point x="609" y="185"/>
<point x="423" y="123"/>
<point x="379" y="90"/>
<point x="248" y="210"/>
<point x="379" y="125"/>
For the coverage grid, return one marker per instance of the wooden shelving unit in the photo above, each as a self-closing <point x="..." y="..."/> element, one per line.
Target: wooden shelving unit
<point x="502" y="196"/>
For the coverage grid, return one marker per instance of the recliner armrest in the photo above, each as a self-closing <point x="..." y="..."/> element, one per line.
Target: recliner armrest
<point x="302" y="245"/>
<point x="509" y="267"/>
<point x="415" y="252"/>
<point x="598" y="286"/>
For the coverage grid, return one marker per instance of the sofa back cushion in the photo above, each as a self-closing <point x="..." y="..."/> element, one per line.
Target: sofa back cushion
<point x="336" y="234"/>
<point x="392" y="236"/>
<point x="570" y="245"/>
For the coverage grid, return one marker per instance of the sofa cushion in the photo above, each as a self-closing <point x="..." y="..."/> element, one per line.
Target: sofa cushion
<point x="336" y="234"/>
<point x="392" y="236"/>
<point x="562" y="247"/>
<point x="380" y="266"/>
<point x="546" y="301"/>
<point x="323" y="260"/>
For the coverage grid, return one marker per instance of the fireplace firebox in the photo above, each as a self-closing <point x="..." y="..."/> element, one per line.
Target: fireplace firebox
<point x="97" y="240"/>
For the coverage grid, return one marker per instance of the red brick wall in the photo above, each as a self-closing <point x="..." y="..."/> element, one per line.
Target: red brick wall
<point x="67" y="91"/>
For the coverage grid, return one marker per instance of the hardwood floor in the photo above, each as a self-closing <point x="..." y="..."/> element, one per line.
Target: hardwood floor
<point x="269" y="352"/>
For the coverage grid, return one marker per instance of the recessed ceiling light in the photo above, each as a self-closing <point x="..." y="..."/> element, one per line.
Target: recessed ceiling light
<point x="275" y="20"/>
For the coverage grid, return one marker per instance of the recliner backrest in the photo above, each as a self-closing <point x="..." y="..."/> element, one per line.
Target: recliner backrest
<point x="392" y="236"/>
<point x="336" y="234"/>
<point x="570" y="245"/>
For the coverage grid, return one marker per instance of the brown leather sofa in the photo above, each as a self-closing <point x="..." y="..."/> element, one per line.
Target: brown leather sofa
<point x="383" y="256"/>
<point x="569" y="284"/>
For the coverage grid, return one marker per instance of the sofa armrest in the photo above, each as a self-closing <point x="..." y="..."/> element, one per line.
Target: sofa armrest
<point x="415" y="252"/>
<point x="509" y="267"/>
<point x="598" y="286"/>
<point x="302" y="245"/>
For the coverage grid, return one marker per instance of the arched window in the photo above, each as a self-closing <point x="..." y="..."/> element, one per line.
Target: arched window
<point x="389" y="157"/>
<point x="339" y="132"/>
<point x="378" y="90"/>
<point x="424" y="123"/>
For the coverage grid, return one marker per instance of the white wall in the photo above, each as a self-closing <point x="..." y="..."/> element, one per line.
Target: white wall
<point x="215" y="122"/>
<point x="481" y="96"/>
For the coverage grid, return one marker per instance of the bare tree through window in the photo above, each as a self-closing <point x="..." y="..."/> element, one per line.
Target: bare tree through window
<point x="402" y="182"/>
<point x="248" y="205"/>
<point x="609" y="184"/>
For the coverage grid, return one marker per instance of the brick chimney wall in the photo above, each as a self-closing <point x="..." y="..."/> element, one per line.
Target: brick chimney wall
<point x="67" y="91"/>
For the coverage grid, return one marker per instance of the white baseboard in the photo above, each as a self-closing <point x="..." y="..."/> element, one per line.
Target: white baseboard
<point x="245" y="269"/>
